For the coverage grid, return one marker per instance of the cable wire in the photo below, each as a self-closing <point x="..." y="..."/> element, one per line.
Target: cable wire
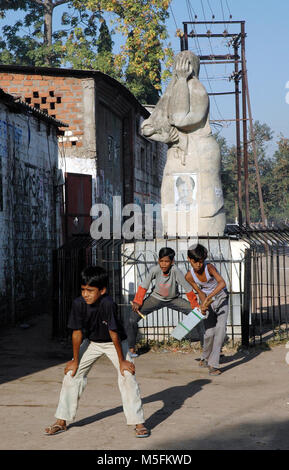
<point x="173" y="16"/>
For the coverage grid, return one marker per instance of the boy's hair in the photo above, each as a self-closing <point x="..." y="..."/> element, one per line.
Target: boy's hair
<point x="166" y="251"/>
<point x="197" y="252"/>
<point x="94" y="276"/>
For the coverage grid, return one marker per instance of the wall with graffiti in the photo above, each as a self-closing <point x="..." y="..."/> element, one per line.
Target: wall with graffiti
<point x="29" y="222"/>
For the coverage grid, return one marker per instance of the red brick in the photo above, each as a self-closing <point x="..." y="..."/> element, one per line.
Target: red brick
<point x="5" y="83"/>
<point x="19" y="76"/>
<point x="13" y="90"/>
<point x="6" y="76"/>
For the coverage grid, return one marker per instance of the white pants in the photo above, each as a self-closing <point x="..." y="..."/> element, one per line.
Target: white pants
<point x="72" y="387"/>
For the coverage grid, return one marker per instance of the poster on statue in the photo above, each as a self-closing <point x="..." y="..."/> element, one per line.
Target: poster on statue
<point x="185" y="190"/>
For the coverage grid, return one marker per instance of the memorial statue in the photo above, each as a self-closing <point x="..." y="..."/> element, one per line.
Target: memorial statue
<point x="191" y="185"/>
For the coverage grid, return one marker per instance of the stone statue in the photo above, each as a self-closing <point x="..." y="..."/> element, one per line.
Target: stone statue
<point x="191" y="182"/>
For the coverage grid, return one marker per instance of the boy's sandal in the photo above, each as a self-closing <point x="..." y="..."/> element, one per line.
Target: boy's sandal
<point x="214" y="371"/>
<point x="141" y="432"/>
<point x="55" y="429"/>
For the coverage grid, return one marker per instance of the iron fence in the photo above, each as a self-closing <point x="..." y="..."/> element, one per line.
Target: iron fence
<point x="253" y="262"/>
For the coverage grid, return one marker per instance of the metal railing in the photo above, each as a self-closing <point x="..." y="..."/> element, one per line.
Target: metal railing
<point x="253" y="262"/>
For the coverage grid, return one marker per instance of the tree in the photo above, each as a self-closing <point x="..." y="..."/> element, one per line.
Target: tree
<point x="38" y="44"/>
<point x="279" y="183"/>
<point x="142" y="86"/>
<point x="274" y="174"/>
<point x="84" y="40"/>
<point x="229" y="178"/>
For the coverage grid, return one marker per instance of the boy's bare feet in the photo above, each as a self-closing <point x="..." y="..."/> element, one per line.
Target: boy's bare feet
<point x="203" y="363"/>
<point x="56" y="428"/>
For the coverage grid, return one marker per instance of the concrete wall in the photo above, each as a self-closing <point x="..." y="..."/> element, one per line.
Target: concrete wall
<point x="29" y="213"/>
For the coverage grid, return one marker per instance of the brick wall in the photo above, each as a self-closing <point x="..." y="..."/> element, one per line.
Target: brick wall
<point x="60" y="97"/>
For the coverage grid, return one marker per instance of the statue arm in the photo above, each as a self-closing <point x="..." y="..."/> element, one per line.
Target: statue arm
<point x="160" y="135"/>
<point x="157" y="126"/>
<point x="189" y="104"/>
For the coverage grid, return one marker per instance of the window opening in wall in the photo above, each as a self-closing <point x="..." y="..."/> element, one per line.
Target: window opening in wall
<point x="51" y="93"/>
<point x="36" y="105"/>
<point x="58" y="99"/>
<point x="28" y="100"/>
<point x="35" y="94"/>
<point x="52" y="105"/>
<point x="43" y="100"/>
<point x="73" y="142"/>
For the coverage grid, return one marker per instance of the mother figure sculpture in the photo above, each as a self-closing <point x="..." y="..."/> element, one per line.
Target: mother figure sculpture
<point x="181" y="120"/>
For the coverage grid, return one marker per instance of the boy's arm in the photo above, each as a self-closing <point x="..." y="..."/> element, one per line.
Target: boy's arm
<point x="142" y="289"/>
<point x="189" y="278"/>
<point x="123" y="363"/>
<point x="76" y="342"/>
<point x="221" y="283"/>
<point x="192" y="298"/>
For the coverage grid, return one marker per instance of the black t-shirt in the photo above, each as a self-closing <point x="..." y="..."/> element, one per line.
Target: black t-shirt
<point x="97" y="319"/>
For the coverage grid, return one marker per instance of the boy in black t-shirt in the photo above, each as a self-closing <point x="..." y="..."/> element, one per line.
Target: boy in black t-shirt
<point x="95" y="313"/>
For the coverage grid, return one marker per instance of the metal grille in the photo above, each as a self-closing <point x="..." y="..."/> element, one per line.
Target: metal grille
<point x="254" y="264"/>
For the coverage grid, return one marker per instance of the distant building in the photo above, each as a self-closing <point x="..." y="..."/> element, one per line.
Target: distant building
<point x="102" y="153"/>
<point x="30" y="220"/>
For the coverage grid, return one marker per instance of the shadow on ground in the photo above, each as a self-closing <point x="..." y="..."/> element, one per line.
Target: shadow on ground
<point x="30" y="348"/>
<point x="173" y="399"/>
<point x="240" y="357"/>
<point x="243" y="436"/>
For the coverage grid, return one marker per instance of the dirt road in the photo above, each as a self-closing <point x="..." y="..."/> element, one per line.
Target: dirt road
<point x="244" y="408"/>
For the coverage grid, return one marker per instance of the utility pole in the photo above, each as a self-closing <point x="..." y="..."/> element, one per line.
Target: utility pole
<point x="240" y="74"/>
<point x="245" y="130"/>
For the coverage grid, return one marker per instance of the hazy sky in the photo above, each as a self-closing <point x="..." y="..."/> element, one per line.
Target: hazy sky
<point x="267" y="53"/>
<point x="267" y="27"/>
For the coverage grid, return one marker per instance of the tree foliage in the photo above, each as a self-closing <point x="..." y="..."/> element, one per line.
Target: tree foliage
<point x="84" y="39"/>
<point x="274" y="174"/>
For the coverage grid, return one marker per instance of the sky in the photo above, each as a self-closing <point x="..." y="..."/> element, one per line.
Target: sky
<point x="267" y="54"/>
<point x="267" y="28"/>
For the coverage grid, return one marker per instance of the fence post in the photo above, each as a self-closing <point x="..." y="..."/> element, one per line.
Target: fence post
<point x="245" y="315"/>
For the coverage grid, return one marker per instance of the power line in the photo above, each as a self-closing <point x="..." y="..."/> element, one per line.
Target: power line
<point x="229" y="9"/>
<point x="222" y="8"/>
<point x="213" y="15"/>
<point x="173" y="16"/>
<point x="198" y="48"/>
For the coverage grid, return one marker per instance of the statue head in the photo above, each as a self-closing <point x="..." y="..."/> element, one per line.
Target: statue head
<point x="194" y="62"/>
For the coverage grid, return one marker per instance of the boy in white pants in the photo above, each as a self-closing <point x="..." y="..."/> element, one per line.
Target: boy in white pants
<point x="96" y="313"/>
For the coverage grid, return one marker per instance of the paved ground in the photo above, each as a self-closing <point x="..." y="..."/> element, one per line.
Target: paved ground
<point x="244" y="408"/>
